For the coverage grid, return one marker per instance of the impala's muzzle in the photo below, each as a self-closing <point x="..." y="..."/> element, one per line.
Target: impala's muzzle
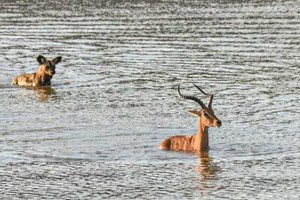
<point x="218" y="123"/>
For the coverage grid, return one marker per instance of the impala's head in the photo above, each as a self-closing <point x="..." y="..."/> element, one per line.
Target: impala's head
<point x="205" y="113"/>
<point x="47" y="67"/>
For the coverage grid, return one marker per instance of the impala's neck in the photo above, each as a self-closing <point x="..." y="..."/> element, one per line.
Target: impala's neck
<point x="201" y="140"/>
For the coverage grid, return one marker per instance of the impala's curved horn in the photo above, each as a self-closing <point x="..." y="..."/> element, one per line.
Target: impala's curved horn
<point x="211" y="96"/>
<point x="191" y="98"/>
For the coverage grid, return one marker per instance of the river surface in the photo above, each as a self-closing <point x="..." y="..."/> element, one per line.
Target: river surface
<point x="94" y="134"/>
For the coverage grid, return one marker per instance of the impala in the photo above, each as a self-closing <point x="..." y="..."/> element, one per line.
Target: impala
<point x="199" y="141"/>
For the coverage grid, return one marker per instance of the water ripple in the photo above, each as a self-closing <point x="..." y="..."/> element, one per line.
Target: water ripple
<point x="114" y="98"/>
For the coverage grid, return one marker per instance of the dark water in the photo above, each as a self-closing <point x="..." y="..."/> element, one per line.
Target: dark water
<point x="95" y="132"/>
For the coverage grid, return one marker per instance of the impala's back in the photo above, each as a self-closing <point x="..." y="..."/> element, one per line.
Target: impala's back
<point x="178" y="143"/>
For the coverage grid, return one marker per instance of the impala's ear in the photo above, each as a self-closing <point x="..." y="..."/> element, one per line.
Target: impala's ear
<point x="41" y="59"/>
<point x="194" y="112"/>
<point x="57" y="59"/>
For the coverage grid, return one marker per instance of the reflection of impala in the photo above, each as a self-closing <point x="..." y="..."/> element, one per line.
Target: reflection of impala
<point x="199" y="141"/>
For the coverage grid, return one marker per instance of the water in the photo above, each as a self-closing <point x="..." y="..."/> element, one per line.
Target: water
<point x="95" y="132"/>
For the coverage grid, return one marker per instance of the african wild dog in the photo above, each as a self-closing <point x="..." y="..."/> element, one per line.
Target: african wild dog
<point x="40" y="78"/>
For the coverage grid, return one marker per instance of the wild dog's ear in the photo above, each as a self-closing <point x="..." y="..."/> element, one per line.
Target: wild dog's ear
<point x="57" y="59"/>
<point x="195" y="112"/>
<point x="41" y="59"/>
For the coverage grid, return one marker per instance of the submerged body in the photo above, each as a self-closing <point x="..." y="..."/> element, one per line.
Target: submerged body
<point x="192" y="143"/>
<point x="40" y="78"/>
<point x="31" y="80"/>
<point x="179" y="143"/>
<point x="183" y="143"/>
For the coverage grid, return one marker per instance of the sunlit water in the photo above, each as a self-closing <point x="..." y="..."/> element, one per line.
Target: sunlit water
<point x="95" y="132"/>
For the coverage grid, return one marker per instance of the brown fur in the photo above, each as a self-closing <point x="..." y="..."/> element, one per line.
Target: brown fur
<point x="40" y="78"/>
<point x="198" y="142"/>
<point x="179" y="142"/>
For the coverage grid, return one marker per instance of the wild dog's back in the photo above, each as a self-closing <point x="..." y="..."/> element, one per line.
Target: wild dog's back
<point x="25" y="80"/>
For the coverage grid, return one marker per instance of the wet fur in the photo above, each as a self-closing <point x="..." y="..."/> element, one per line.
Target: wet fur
<point x="33" y="79"/>
<point x="40" y="78"/>
<point x="179" y="143"/>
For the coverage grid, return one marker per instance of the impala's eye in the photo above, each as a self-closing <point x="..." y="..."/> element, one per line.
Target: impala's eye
<point x="206" y="114"/>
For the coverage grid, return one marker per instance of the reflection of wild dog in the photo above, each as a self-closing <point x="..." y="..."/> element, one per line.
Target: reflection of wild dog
<point x="40" y="78"/>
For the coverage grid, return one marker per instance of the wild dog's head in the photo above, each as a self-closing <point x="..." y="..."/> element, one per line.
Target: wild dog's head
<point x="47" y="67"/>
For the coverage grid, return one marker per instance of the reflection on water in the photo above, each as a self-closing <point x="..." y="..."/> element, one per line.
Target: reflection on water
<point x="206" y="166"/>
<point x="43" y="93"/>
